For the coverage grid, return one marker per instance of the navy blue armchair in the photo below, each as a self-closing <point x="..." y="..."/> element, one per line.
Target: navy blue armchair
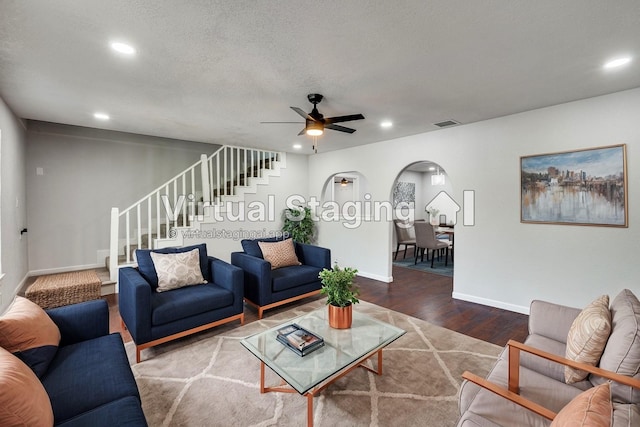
<point x="154" y="318"/>
<point x="265" y="288"/>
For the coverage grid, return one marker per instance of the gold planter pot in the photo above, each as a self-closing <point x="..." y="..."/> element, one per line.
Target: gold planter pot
<point x="340" y="317"/>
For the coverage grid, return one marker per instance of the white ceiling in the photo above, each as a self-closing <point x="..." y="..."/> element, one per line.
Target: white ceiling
<point x="212" y="70"/>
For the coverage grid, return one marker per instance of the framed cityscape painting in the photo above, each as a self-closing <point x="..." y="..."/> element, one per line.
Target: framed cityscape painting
<point x="582" y="187"/>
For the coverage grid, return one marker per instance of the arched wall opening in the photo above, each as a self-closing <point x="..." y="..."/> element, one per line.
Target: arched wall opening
<point x="420" y="193"/>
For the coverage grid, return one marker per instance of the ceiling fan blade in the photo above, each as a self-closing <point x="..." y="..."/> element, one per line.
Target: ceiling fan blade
<point x="339" y="128"/>
<point x="303" y="131"/>
<point x="298" y="123"/>
<point x="302" y="113"/>
<point x="339" y="119"/>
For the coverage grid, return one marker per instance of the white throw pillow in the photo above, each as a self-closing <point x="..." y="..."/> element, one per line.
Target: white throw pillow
<point x="177" y="270"/>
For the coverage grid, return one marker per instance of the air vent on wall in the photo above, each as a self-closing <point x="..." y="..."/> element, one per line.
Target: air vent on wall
<point x="446" y="123"/>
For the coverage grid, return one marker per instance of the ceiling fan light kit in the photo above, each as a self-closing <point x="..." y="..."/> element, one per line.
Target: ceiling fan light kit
<point x="316" y="123"/>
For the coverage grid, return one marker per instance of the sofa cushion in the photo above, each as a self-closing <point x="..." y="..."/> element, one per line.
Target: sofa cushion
<point x="591" y="408"/>
<point x="587" y="337"/>
<point x="30" y="334"/>
<point x="550" y="393"/>
<point x="147" y="268"/>
<point x="279" y="254"/>
<point x="88" y="374"/>
<point x="626" y="415"/>
<point x="177" y="270"/>
<point x="23" y="400"/>
<point x="622" y="353"/>
<point x="544" y="366"/>
<point x="294" y="276"/>
<point x="122" y="412"/>
<point x="177" y="304"/>
<point x="251" y="247"/>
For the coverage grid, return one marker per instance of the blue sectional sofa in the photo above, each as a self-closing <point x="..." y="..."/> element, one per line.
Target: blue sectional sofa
<point x="266" y="288"/>
<point x="89" y="381"/>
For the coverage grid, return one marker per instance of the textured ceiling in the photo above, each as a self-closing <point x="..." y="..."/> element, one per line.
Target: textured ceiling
<point x="211" y="71"/>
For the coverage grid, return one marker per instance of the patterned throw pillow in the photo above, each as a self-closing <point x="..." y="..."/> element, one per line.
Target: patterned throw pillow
<point x="30" y="334"/>
<point x="591" y="408"/>
<point x="279" y="254"/>
<point x="177" y="270"/>
<point x="587" y="337"/>
<point x="23" y="400"/>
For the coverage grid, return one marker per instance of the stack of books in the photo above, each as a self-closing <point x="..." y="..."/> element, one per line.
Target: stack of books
<point x="299" y="340"/>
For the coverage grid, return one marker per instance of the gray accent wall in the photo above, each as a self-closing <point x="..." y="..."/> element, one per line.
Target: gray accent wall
<point x="12" y="204"/>
<point x="86" y="172"/>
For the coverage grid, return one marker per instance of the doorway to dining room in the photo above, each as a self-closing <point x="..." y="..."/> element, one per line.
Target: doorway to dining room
<point x="422" y="190"/>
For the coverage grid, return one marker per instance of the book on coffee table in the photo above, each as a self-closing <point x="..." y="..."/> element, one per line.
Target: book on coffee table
<point x="298" y="339"/>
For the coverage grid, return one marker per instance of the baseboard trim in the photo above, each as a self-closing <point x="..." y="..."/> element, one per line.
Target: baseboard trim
<point x="385" y="279"/>
<point x="63" y="269"/>
<point x="491" y="303"/>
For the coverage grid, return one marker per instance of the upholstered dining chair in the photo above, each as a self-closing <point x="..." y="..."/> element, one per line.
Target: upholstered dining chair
<point x="405" y="235"/>
<point x="426" y="239"/>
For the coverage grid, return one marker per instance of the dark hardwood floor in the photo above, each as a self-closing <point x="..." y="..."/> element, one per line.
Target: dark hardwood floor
<point x="415" y="293"/>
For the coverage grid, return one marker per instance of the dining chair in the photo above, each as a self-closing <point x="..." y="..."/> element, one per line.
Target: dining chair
<point x="426" y="239"/>
<point x="405" y="235"/>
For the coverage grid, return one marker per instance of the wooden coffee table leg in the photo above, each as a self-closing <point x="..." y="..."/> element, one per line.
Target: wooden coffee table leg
<point x="262" y="390"/>
<point x="309" y="410"/>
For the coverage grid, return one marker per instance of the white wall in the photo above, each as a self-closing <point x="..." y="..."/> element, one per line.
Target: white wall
<point x="500" y="261"/>
<point x="13" y="205"/>
<point x="86" y="173"/>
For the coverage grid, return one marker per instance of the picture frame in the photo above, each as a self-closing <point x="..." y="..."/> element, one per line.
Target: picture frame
<point x="579" y="187"/>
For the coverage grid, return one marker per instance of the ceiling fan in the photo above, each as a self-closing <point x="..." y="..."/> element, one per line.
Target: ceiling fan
<point x="316" y="123"/>
<point x="343" y="182"/>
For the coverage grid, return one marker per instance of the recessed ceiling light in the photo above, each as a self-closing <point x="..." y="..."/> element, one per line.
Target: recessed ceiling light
<point x="123" y="48"/>
<point x="386" y="124"/>
<point x="297" y="146"/>
<point x="101" y="116"/>
<point x="619" y="62"/>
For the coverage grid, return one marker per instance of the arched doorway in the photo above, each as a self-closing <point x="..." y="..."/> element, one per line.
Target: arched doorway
<point x="424" y="187"/>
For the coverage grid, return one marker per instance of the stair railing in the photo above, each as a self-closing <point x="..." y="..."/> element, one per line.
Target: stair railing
<point x="176" y="202"/>
<point x="234" y="165"/>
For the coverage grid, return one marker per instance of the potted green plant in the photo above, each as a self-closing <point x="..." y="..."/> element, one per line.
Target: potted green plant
<point x="298" y="224"/>
<point x="341" y="292"/>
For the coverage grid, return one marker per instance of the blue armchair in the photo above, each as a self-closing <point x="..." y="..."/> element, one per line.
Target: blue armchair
<point x="265" y="288"/>
<point x="154" y="318"/>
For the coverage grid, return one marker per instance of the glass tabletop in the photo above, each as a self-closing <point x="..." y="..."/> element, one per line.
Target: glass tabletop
<point x="343" y="348"/>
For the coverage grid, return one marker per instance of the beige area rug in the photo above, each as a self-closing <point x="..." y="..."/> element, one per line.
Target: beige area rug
<point x="210" y="379"/>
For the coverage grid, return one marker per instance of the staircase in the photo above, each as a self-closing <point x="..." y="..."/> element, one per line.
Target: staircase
<point x="193" y="197"/>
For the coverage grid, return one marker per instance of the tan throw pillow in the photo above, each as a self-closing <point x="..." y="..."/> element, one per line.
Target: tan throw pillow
<point x="23" y="400"/>
<point x="587" y="337"/>
<point x="177" y="270"/>
<point x="279" y="254"/>
<point x="28" y="332"/>
<point x="591" y="408"/>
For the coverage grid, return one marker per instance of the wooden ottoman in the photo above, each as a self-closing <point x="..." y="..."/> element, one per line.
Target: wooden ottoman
<point x="56" y="290"/>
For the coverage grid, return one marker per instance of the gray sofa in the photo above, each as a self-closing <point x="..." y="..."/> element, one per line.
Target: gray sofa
<point x="542" y="381"/>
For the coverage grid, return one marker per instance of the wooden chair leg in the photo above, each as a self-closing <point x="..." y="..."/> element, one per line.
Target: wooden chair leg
<point x="397" y="250"/>
<point x="433" y="256"/>
<point x="405" y="252"/>
<point x="138" y="354"/>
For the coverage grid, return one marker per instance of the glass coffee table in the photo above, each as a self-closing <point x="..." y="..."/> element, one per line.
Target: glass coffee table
<point x="344" y="350"/>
